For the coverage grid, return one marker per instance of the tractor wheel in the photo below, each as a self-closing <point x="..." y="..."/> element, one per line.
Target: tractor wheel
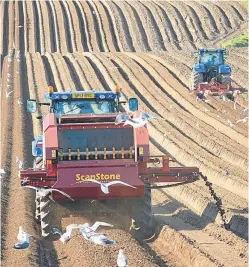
<point x="196" y="79"/>
<point x="142" y="214"/>
<point x="45" y="215"/>
<point x="226" y="79"/>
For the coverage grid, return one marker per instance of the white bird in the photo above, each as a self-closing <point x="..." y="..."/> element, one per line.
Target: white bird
<point x="122" y="260"/>
<point x="2" y="172"/>
<point x="19" y="101"/>
<point x="244" y="111"/>
<point x="20" y="26"/>
<point x="66" y="236"/>
<point x="230" y="123"/>
<point x="235" y="105"/>
<point x="23" y="239"/>
<point x="133" y="225"/>
<point x="8" y="93"/>
<point x="243" y="120"/>
<point x="20" y="163"/>
<point x="206" y="110"/>
<point x="136" y="122"/>
<point x="44" y="192"/>
<point x="121" y="118"/>
<point x="20" y="233"/>
<point x="89" y="234"/>
<point x="105" y="186"/>
<point x="9" y="75"/>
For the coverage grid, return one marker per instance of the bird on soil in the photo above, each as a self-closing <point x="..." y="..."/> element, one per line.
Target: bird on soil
<point x="19" y="101"/>
<point x="89" y="234"/>
<point x="230" y="123"/>
<point x="8" y="93"/>
<point x="42" y="192"/>
<point x="67" y="235"/>
<point x="2" y="172"/>
<point x="23" y="239"/>
<point x="244" y="111"/>
<point x="243" y="120"/>
<point x="20" y="163"/>
<point x="105" y="186"/>
<point x="122" y="260"/>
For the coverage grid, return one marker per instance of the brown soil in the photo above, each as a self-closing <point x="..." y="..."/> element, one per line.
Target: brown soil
<point x="60" y="45"/>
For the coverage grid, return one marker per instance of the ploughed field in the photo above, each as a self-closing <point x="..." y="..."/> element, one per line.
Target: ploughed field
<point x="145" y="48"/>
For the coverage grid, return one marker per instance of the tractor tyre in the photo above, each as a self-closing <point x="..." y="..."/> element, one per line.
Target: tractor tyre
<point x="226" y="79"/>
<point x="45" y="215"/>
<point x="142" y="214"/>
<point x="196" y="79"/>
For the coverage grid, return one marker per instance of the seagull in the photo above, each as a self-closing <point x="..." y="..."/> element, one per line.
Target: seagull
<point x="8" y="93"/>
<point x="228" y="172"/>
<point x="235" y="105"/>
<point x="90" y="235"/>
<point x="136" y="122"/>
<point x="206" y="100"/>
<point x="19" y="101"/>
<point x="206" y="110"/>
<point x="121" y="118"/>
<point x="66" y="236"/>
<point x="104" y="186"/>
<point x="122" y="260"/>
<point x="1" y="173"/>
<point x="133" y="225"/>
<point x="243" y="120"/>
<point x="20" y="26"/>
<point x="244" y="111"/>
<point x="230" y="123"/>
<point x="20" y="163"/>
<point x="23" y="239"/>
<point x="44" y="192"/>
<point x="9" y="75"/>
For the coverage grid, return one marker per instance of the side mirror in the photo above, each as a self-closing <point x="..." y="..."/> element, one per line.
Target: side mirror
<point x="31" y="106"/>
<point x="133" y="104"/>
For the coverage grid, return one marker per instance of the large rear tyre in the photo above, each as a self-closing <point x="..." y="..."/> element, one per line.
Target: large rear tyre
<point x="142" y="214"/>
<point x="196" y="78"/>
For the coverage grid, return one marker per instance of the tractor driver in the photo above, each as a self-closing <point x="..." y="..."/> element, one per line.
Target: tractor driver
<point x="212" y="60"/>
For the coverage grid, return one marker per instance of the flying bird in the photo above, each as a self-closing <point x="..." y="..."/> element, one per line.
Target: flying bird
<point x="8" y="93"/>
<point x="228" y="172"/>
<point x="20" y="26"/>
<point x="136" y="122"/>
<point x="9" y="75"/>
<point x="121" y="118"/>
<point x="243" y="120"/>
<point x="44" y="192"/>
<point x="122" y="260"/>
<point x="67" y="235"/>
<point x="105" y="186"/>
<point x="23" y="239"/>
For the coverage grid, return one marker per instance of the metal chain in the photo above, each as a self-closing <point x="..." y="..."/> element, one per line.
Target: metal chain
<point x="217" y="200"/>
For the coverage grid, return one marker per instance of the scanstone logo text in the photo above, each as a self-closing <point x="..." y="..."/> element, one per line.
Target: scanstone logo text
<point x="97" y="176"/>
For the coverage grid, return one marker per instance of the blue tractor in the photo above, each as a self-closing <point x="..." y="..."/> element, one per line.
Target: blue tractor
<point x="210" y="68"/>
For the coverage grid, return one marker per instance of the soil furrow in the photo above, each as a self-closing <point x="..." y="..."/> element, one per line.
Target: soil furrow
<point x="76" y="23"/>
<point x="54" y="36"/>
<point x="37" y="24"/>
<point x="5" y="27"/>
<point x="67" y="27"/>
<point x="98" y="27"/>
<point x="91" y="27"/>
<point x="70" y="23"/>
<point x="122" y="26"/>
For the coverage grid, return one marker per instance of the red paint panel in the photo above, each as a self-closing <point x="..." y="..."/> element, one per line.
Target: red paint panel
<point x="51" y="138"/>
<point x="48" y="120"/>
<point x="89" y="190"/>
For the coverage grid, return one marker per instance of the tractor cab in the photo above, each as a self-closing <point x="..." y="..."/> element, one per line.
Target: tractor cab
<point x="82" y="102"/>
